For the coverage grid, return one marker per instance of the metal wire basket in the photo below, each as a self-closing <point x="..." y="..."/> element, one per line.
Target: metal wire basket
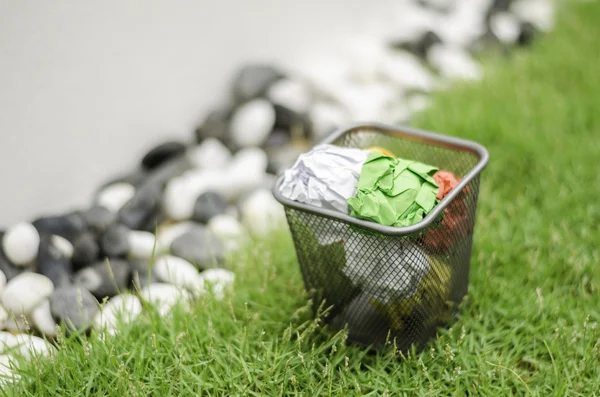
<point x="388" y="283"/>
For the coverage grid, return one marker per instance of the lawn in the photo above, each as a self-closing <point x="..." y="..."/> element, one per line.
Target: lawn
<point x="530" y="325"/>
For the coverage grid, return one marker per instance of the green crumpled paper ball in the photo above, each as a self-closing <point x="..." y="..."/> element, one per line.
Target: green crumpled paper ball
<point x="394" y="192"/>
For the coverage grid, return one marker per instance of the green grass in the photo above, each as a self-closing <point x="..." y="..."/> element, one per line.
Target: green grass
<point x="530" y="326"/>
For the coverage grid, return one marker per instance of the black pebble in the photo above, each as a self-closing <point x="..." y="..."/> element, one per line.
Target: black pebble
<point x="97" y="219"/>
<point x="298" y="125"/>
<point x="136" y="178"/>
<point x="69" y="226"/>
<point x="141" y="275"/>
<point x="253" y="80"/>
<point x="140" y="213"/>
<point x="208" y="205"/>
<point x="421" y="46"/>
<point x="500" y="6"/>
<point x="75" y="306"/>
<point x="528" y="33"/>
<point x="9" y="269"/>
<point x="279" y="137"/>
<point x="200" y="247"/>
<point x="52" y="263"/>
<point x="114" y="242"/>
<point x="85" y="250"/>
<point x="104" y="282"/>
<point x="215" y="125"/>
<point x="161" y="153"/>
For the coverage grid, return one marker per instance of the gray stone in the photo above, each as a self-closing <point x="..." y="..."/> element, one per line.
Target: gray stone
<point x="141" y="274"/>
<point x="136" y="178"/>
<point x="52" y="263"/>
<point x="528" y="33"/>
<point x="200" y="247"/>
<point x="161" y="153"/>
<point x="105" y="278"/>
<point x="215" y="125"/>
<point x="75" y="306"/>
<point x="421" y="45"/>
<point x="298" y="125"/>
<point x="97" y="219"/>
<point x="85" y="250"/>
<point x="279" y="137"/>
<point x="69" y="226"/>
<point x="252" y="81"/>
<point x="143" y="210"/>
<point x="208" y="205"/>
<point x="9" y="269"/>
<point x="281" y="158"/>
<point x="115" y="241"/>
<point x="168" y="170"/>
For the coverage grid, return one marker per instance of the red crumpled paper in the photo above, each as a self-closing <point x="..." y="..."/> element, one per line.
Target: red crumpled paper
<point x="456" y="221"/>
<point x="447" y="181"/>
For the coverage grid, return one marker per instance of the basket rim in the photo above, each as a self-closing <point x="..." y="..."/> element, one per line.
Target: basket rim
<point x="404" y="132"/>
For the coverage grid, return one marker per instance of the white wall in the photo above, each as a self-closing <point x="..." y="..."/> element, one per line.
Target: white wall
<point x="87" y="86"/>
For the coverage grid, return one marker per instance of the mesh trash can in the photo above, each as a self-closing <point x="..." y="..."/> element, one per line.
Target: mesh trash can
<point x="389" y="283"/>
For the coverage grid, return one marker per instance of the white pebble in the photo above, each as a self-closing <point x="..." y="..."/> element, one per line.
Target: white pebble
<point x="16" y="323"/>
<point x="245" y="173"/>
<point x="325" y="71"/>
<point x="218" y="281"/>
<point x="2" y="281"/>
<point x="7" y="341"/>
<point x="25" y="345"/>
<point x="454" y="63"/>
<point x="63" y="245"/>
<point x="122" y="308"/>
<point x="7" y="370"/>
<point x="505" y="26"/>
<point x="21" y="243"/>
<point x="367" y="102"/>
<point x="26" y="291"/>
<point x="407" y="71"/>
<point x="410" y="21"/>
<point x="181" y="193"/>
<point x="417" y="103"/>
<point x="228" y="229"/>
<point x="211" y="153"/>
<point x="4" y="317"/>
<point x="163" y="296"/>
<point x="179" y="272"/>
<point x="364" y="54"/>
<point x="42" y="319"/>
<point x="252" y="122"/>
<point x="178" y="199"/>
<point x="326" y="118"/>
<point x="463" y="25"/>
<point x="261" y="213"/>
<point x="115" y="196"/>
<point x="291" y="94"/>
<point x="143" y="245"/>
<point x="33" y="346"/>
<point x="537" y="12"/>
<point x="168" y="233"/>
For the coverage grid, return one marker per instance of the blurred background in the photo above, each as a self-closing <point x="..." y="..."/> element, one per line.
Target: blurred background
<point x="87" y="87"/>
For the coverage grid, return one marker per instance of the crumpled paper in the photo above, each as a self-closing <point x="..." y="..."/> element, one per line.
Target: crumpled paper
<point x="390" y="270"/>
<point x="325" y="177"/>
<point x="387" y="269"/>
<point x="456" y="221"/>
<point x="394" y="192"/>
<point x="432" y="295"/>
<point x="447" y="181"/>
